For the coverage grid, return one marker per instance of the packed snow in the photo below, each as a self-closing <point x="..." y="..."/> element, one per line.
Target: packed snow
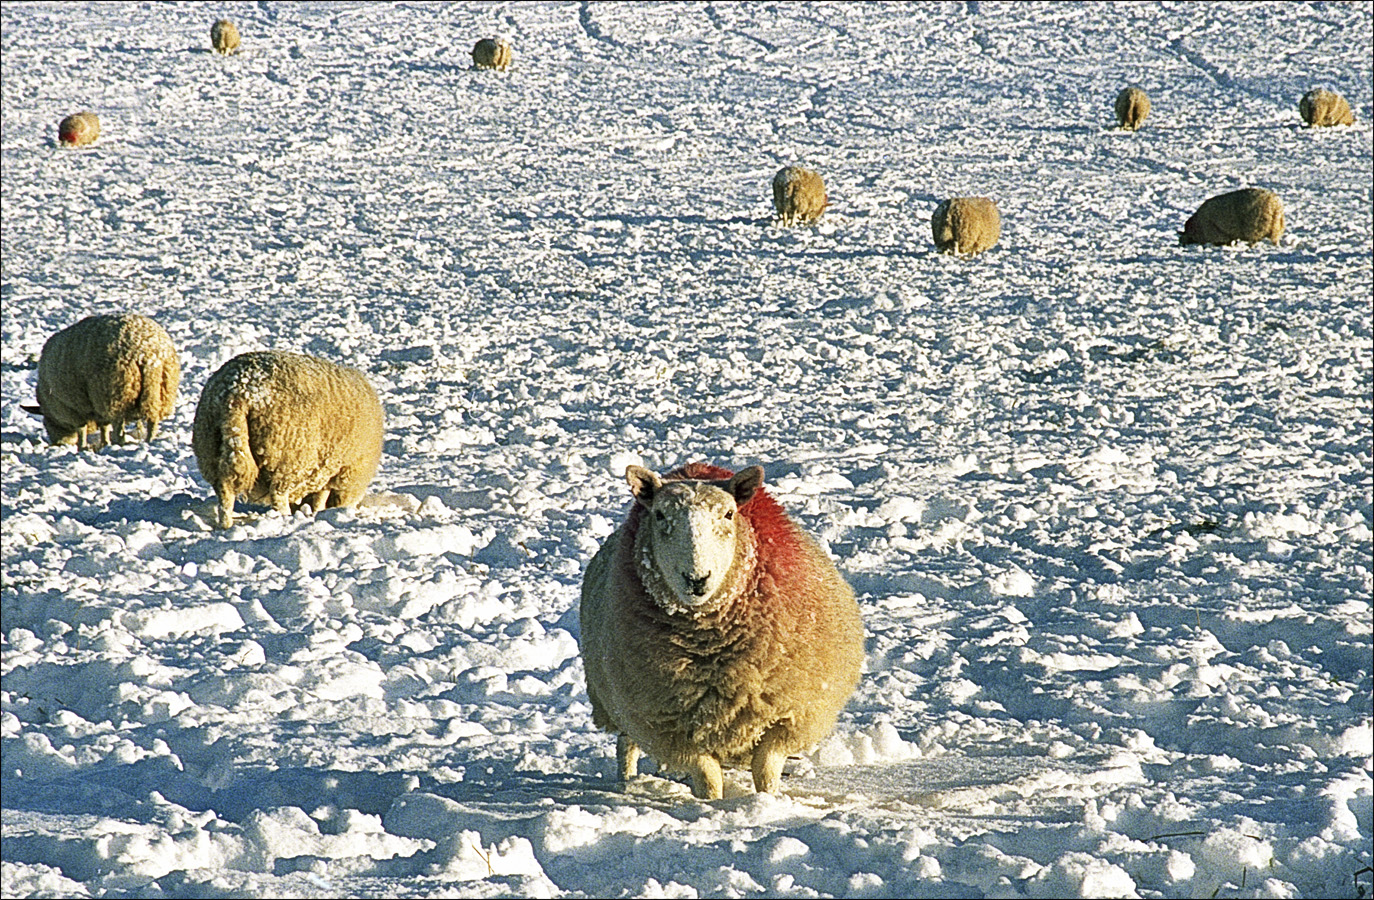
<point x="1105" y="501"/>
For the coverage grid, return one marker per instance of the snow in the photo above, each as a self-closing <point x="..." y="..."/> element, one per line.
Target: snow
<point x="1105" y="501"/>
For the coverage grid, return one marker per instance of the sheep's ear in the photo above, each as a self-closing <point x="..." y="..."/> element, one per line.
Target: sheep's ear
<point x="643" y="483"/>
<point x="33" y="408"/>
<point x="745" y="483"/>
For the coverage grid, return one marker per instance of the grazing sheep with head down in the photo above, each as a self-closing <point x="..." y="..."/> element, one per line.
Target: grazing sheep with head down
<point x="966" y="225"/>
<point x="799" y="195"/>
<point x="1321" y="107"/>
<point x="104" y="372"/>
<point x="1132" y="106"/>
<point x="78" y="129"/>
<point x="287" y="429"/>
<point x="489" y="53"/>
<point x="224" y="37"/>
<point x="715" y="632"/>
<point x="1250" y="214"/>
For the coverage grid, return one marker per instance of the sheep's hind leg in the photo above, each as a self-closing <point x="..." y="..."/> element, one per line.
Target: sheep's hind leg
<point x="707" y="782"/>
<point x="626" y="757"/>
<point x="225" y="513"/>
<point x="769" y="757"/>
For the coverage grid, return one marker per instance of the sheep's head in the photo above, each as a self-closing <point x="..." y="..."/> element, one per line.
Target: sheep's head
<point x="692" y="528"/>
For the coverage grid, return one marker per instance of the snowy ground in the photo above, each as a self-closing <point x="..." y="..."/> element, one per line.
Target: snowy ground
<point x="1105" y="501"/>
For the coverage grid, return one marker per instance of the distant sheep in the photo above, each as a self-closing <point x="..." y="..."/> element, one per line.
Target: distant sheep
<point x="224" y="37"/>
<point x="799" y="195"/>
<point x="104" y="372"/>
<point x="966" y="225"/>
<point x="1321" y="107"/>
<point x="287" y="429"/>
<point x="714" y="631"/>
<point x="78" y="129"/>
<point x="489" y="53"/>
<point x="1250" y="214"/>
<point x="1132" y="106"/>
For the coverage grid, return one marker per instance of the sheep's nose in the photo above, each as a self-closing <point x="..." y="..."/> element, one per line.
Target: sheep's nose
<point x="696" y="585"/>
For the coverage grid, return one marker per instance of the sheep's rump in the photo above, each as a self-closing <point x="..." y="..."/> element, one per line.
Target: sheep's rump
<point x="788" y="651"/>
<point x="106" y="371"/>
<point x="277" y="427"/>
<point x="966" y="225"/>
<point x="1249" y="214"/>
<point x="1132" y="106"/>
<point x="224" y="36"/>
<point x="799" y="195"/>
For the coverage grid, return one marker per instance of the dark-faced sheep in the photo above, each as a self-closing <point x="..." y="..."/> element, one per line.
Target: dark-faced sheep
<point x="1132" y="106"/>
<point x="1249" y="214"/>
<point x="78" y="129"/>
<point x="104" y="372"/>
<point x="715" y="632"/>
<point x="489" y="53"/>
<point x="1320" y="107"/>
<point x="966" y="225"/>
<point x="799" y="195"/>
<point x="287" y="430"/>
<point x="224" y="37"/>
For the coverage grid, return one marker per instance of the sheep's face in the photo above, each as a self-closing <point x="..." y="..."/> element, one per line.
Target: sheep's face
<point x="693" y="527"/>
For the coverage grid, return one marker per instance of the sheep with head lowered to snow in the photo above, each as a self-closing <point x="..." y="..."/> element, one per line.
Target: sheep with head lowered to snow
<point x="714" y="631"/>
<point x="1249" y="214"/>
<point x="78" y="129"/>
<point x="1320" y="107"/>
<point x="287" y="430"/>
<point x="490" y="53"/>
<point x="105" y="372"/>
<point x="799" y="195"/>
<point x="1132" y="106"/>
<point x="966" y="225"/>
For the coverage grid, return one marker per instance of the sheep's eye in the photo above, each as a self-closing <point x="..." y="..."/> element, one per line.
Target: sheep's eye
<point x="729" y="514"/>
<point x="658" y="514"/>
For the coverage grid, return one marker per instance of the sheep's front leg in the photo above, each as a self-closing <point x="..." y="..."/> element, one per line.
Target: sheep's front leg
<point x="626" y="757"/>
<point x="768" y="759"/>
<point x="707" y="783"/>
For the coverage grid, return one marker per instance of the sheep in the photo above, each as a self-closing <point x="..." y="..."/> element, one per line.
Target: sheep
<point x="1132" y="106"/>
<point x="799" y="195"/>
<point x="78" y="129"/>
<point x="714" y="631"/>
<point x="489" y="53"/>
<point x="104" y="372"/>
<point x="1250" y="214"/>
<point x="1321" y="107"/>
<point x="966" y="225"/>
<point x="287" y="430"/>
<point x="224" y="37"/>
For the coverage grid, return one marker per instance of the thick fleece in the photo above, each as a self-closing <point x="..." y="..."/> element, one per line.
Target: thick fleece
<point x="760" y="674"/>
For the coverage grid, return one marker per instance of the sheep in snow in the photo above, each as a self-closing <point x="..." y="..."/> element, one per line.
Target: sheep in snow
<point x="104" y="372"/>
<point x="715" y="632"/>
<point x="966" y="225"/>
<point x="287" y="430"/>
<point x="1132" y="106"/>
<point x="489" y="53"/>
<point x="1322" y="107"/>
<point x="224" y="37"/>
<point x="798" y="195"/>
<point x="78" y="129"/>
<point x="1250" y="214"/>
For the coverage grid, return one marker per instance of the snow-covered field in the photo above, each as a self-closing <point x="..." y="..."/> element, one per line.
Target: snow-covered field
<point x="1105" y="501"/>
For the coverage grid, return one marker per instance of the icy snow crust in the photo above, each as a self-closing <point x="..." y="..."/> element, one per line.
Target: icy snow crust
<point x="1105" y="501"/>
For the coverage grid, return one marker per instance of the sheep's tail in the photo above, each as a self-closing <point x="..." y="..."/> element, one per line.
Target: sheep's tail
<point x="152" y="398"/>
<point x="235" y="469"/>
